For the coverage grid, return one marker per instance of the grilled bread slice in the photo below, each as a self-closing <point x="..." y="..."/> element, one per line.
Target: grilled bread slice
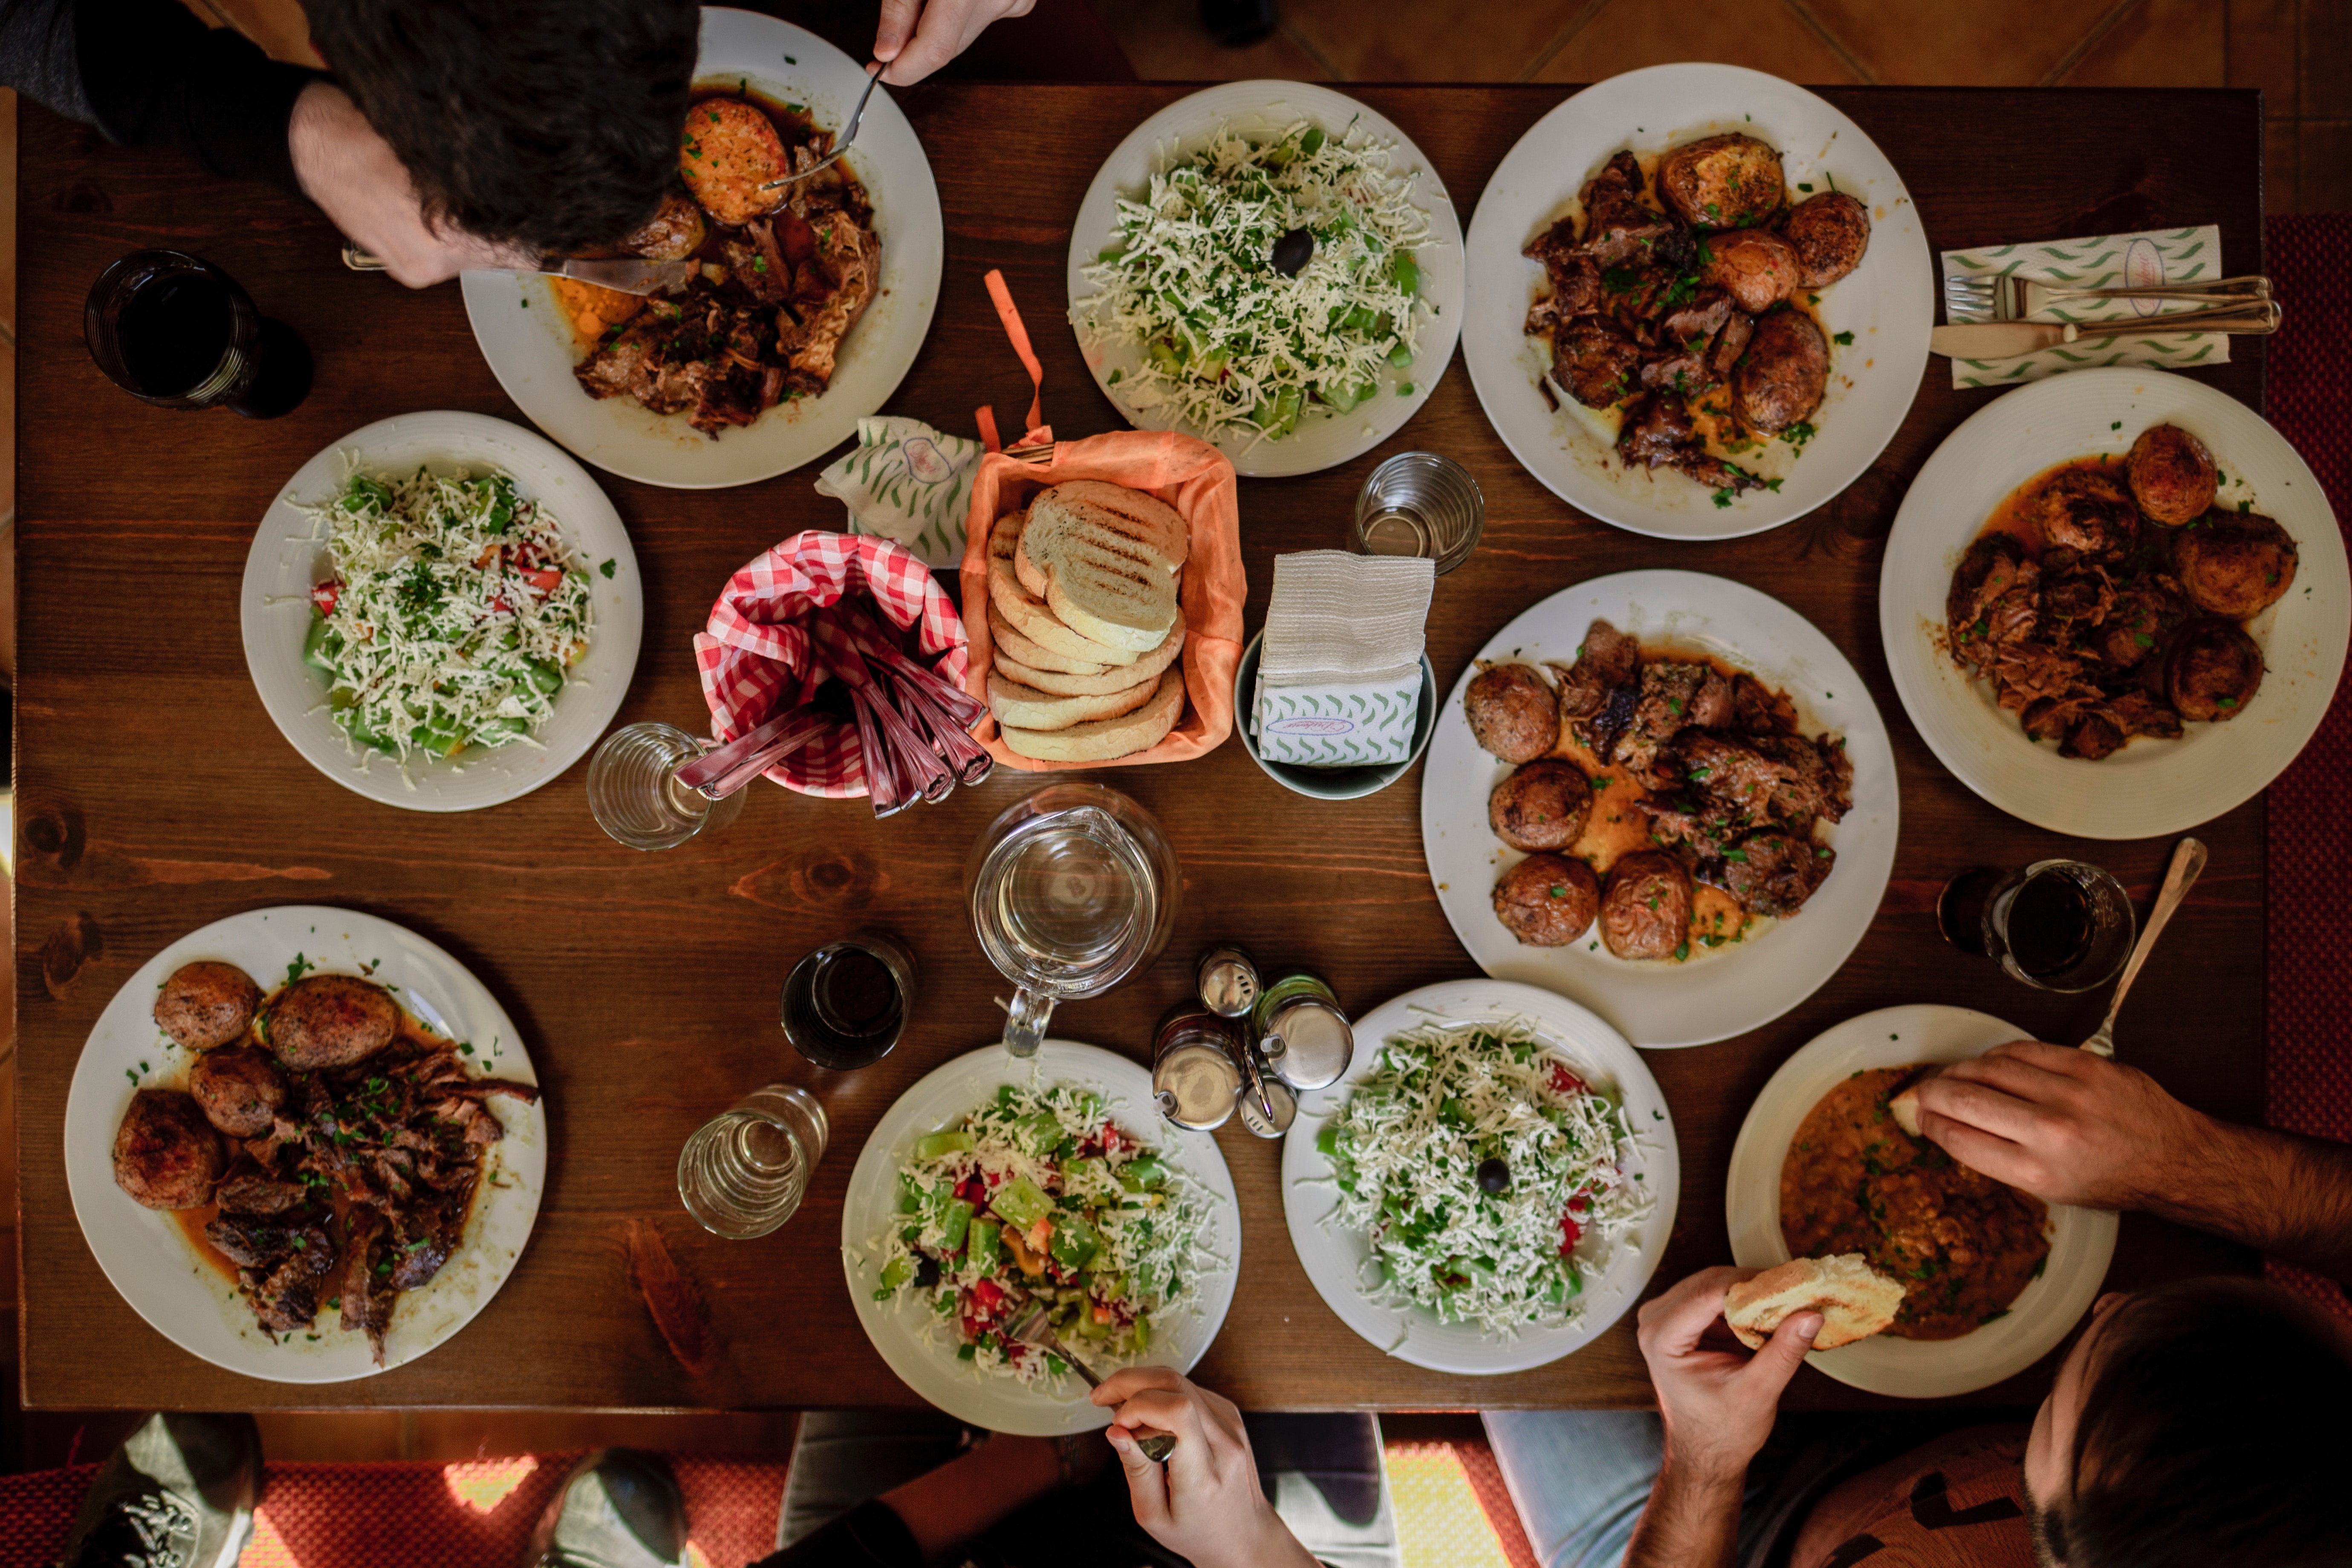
<point x="1011" y="645"/>
<point x="1854" y="1301"/>
<point x="1142" y="525"/>
<point x="1026" y="707"/>
<point x="1117" y="677"/>
<point x="1032" y="616"/>
<point x="1101" y="740"/>
<point x="1108" y="558"/>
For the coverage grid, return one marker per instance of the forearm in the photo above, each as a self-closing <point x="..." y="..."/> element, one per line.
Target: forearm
<point x="2289" y="1196"/>
<point x="1693" y="1519"/>
<point x="964" y="1496"/>
<point x="150" y="74"/>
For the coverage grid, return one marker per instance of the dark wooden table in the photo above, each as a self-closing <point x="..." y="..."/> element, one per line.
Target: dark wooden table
<point x="154" y="795"/>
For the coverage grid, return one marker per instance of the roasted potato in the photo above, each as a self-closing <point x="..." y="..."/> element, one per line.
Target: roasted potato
<point x="2234" y="564"/>
<point x="239" y="1091"/>
<point x="206" y="1006"/>
<point x="1830" y="232"/>
<point x="1542" y="806"/>
<point x="2212" y="671"/>
<point x="166" y="1156"/>
<point x="1755" y="267"/>
<point x="2172" y="475"/>
<point x="1548" y="900"/>
<point x="1784" y="373"/>
<point x="330" y="1021"/>
<point x="1513" y="712"/>
<point x="1722" y="182"/>
<point x="729" y="150"/>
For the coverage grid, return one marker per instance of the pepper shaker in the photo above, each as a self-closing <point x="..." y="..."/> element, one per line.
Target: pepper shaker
<point x="1302" y="1033"/>
<point x="1196" y="1073"/>
<point x="1226" y="979"/>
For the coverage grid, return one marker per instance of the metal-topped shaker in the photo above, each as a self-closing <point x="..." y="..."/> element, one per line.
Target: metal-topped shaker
<point x="1196" y="1071"/>
<point x="1226" y="978"/>
<point x="1302" y="1033"/>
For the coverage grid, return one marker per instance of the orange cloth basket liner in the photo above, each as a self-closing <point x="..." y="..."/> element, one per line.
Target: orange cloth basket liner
<point x="1186" y="473"/>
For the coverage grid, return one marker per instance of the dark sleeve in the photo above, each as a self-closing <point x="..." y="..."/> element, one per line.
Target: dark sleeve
<point x="870" y="1535"/>
<point x="148" y="74"/>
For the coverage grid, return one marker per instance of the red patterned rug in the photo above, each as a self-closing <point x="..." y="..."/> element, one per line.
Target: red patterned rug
<point x="2308" y="1085"/>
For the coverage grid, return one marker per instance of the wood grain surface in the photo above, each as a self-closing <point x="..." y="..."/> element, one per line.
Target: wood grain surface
<point x="154" y="795"/>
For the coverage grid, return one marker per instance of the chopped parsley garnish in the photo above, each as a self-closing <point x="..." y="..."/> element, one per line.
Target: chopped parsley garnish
<point x="1842" y="338"/>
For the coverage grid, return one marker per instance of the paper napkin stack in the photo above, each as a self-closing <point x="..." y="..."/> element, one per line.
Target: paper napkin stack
<point x="1338" y="680"/>
<point x="906" y="482"/>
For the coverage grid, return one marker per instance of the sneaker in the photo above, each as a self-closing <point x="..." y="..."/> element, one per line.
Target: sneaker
<point x="618" y="1509"/>
<point x="179" y="1493"/>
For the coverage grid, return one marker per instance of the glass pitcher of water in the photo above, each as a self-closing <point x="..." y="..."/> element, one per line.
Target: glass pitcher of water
<point x="1072" y="890"/>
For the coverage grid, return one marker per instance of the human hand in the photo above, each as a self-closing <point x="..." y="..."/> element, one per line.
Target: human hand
<point x="2065" y="1125"/>
<point x="360" y="183"/>
<point x="1205" y="1503"/>
<point x="916" y="38"/>
<point x="1718" y="1402"/>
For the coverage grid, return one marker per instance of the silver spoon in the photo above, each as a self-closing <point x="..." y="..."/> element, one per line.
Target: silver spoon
<point x="2188" y="860"/>
<point x="848" y="133"/>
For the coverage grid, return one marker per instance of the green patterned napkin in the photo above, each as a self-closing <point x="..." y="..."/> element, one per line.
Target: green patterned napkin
<point x="2169" y="255"/>
<point x="907" y="481"/>
<point x="1338" y="681"/>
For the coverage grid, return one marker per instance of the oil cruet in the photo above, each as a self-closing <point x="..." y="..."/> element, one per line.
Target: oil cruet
<point x="1072" y="889"/>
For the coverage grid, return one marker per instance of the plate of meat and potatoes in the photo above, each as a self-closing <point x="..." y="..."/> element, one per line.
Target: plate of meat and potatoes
<point x="1699" y="300"/>
<point x="1664" y="796"/>
<point x="305" y="1144"/>
<point x="2115" y="602"/>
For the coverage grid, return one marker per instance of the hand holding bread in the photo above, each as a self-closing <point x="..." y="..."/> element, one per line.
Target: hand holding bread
<point x="1854" y="1301"/>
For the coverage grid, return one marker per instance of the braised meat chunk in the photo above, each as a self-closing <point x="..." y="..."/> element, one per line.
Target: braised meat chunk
<point x="2086" y="509"/>
<point x="1546" y="901"/>
<point x="206" y="1006"/>
<point x="330" y="1021"/>
<point x="166" y="1155"/>
<point x="1731" y="181"/>
<point x="2234" y="564"/>
<point x="1619" y="225"/>
<point x="2173" y="476"/>
<point x="1512" y="713"/>
<point x="1543" y="805"/>
<point x="1773" y="872"/>
<point x="674" y="233"/>
<point x="1598" y="365"/>
<point x="1606" y="660"/>
<point x="1829" y="232"/>
<point x="1646" y="909"/>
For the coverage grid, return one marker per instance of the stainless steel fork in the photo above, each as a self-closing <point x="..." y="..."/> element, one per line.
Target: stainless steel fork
<point x="2010" y="297"/>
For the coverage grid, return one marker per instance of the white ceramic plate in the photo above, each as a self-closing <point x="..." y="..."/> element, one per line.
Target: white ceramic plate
<point x="870" y="1209"/>
<point x="287" y="559"/>
<point x="1336" y="1259"/>
<point x="2150" y="787"/>
<point x="1721" y="991"/>
<point x="526" y="338"/>
<point x="144" y="1254"/>
<point x="1268" y="108"/>
<point x="1888" y="303"/>
<point x="2081" y="1240"/>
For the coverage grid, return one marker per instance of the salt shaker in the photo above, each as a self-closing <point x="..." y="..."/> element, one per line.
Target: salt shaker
<point x="1195" y="1067"/>
<point x="1227" y="980"/>
<point x="1303" y="1036"/>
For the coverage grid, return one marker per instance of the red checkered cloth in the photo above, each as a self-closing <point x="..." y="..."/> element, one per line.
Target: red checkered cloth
<point x="754" y="656"/>
<point x="2307" y="1076"/>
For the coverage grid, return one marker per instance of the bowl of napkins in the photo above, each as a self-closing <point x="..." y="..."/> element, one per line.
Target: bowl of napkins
<point x="1335" y="695"/>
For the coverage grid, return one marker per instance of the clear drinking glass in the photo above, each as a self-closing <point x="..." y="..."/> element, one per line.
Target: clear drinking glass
<point x="1419" y="503"/>
<point x="846" y="1002"/>
<point x="744" y="1171"/>
<point x="175" y="330"/>
<point x="1071" y="890"/>
<point x="634" y="793"/>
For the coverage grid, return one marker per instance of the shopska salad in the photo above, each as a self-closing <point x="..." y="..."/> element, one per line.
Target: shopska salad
<point x="1038" y="1197"/>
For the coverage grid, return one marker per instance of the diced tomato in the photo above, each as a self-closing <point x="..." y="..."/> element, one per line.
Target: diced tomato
<point x="1570" y="1233"/>
<point x="543" y="580"/>
<point x="972" y="1192"/>
<point x="1564" y="1081"/>
<point x="1111" y="1142"/>
<point x="324" y="596"/>
<point x="1579" y="1204"/>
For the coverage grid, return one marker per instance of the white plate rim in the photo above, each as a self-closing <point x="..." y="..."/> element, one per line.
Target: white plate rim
<point x="2151" y="788"/>
<point x="1747" y="986"/>
<point x="1324" y="443"/>
<point x="623" y="438"/>
<point x="1415" y="1337"/>
<point x="1528" y="187"/>
<point x="127" y="1240"/>
<point x="949" y="1090"/>
<point x="2047" y="1310"/>
<point x="283" y="562"/>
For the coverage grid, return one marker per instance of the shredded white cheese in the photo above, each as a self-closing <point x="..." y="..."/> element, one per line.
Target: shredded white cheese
<point x="1225" y="337"/>
<point x="456" y="608"/>
<point x="1406" y="1152"/>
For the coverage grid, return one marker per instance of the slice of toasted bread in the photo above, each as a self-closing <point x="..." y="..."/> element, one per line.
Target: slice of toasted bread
<point x="1144" y="671"/>
<point x="1854" y="1301"/>
<point x="1102" y="740"/>
<point x="1905" y="1107"/>
<point x="1138" y="523"/>
<point x="1011" y="645"/>
<point x="1108" y="560"/>
<point x="1031" y="576"/>
<point x="1026" y="707"/>
<point x="1032" y="616"/>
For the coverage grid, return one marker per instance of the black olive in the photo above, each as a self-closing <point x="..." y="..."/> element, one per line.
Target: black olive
<point x="1494" y="1175"/>
<point x="927" y="1269"/>
<point x="1293" y="251"/>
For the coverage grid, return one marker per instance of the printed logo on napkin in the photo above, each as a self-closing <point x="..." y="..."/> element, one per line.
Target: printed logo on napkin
<point x="1336" y="726"/>
<point x="2156" y="259"/>
<point x="906" y="482"/>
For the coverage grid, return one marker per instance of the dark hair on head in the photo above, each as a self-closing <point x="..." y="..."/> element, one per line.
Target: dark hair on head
<point x="549" y="123"/>
<point x="2213" y="1433"/>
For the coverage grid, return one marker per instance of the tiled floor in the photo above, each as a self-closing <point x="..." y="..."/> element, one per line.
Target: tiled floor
<point x="2298" y="51"/>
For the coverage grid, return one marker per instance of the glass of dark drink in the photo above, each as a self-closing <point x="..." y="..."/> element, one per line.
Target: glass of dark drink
<point x="846" y="1005"/>
<point x="175" y="330"/>
<point x="2057" y="925"/>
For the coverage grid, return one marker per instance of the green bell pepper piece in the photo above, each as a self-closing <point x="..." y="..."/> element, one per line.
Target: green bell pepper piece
<point x="931" y="1147"/>
<point x="1038" y="1134"/>
<point x="984" y="1245"/>
<point x="955" y="1222"/>
<point x="321" y="646"/>
<point x="1021" y="1203"/>
<point x="1075" y="1241"/>
<point x="897" y="1272"/>
<point x="1143" y="1174"/>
